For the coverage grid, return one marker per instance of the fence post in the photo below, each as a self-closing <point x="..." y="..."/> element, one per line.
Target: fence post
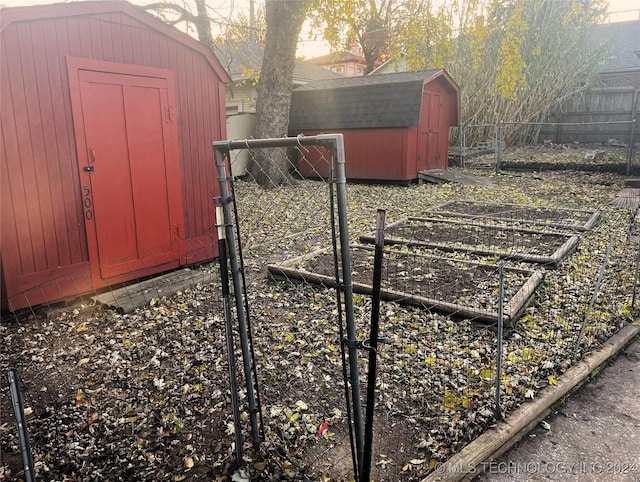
<point x="500" y="136"/>
<point x="462" y="144"/>
<point x="632" y="135"/>
<point x="221" y="150"/>
<point x="21" y="425"/>
<point x="635" y="280"/>
<point x="500" y="334"/>
<point x="596" y="290"/>
<point x="347" y="288"/>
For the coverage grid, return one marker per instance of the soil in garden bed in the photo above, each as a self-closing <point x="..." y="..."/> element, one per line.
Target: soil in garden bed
<point x="461" y="283"/>
<point x="551" y="216"/>
<point x="474" y="237"/>
<point x="537" y="166"/>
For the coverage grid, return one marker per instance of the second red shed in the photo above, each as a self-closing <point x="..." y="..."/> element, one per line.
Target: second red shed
<point x="394" y="125"/>
<point x="107" y="172"/>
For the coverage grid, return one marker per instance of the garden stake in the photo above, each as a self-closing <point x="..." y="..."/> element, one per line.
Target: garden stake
<point x="635" y="280"/>
<point x="500" y="329"/>
<point x="372" y="346"/>
<point x="499" y="146"/>
<point x="226" y="301"/>
<point x="21" y="425"/>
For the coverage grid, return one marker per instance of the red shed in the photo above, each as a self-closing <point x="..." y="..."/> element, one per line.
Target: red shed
<point x="394" y="125"/>
<point x="107" y="172"/>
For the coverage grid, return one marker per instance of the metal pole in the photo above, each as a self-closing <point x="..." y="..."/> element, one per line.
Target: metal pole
<point x="21" y="425"/>
<point x="228" y="323"/>
<point x="337" y="141"/>
<point x="462" y="144"/>
<point x="221" y="151"/>
<point x="632" y="131"/>
<point x="499" y="145"/>
<point x="500" y="330"/>
<point x="635" y="280"/>
<point x="593" y="297"/>
<point x="632" y="136"/>
<point x="372" y="346"/>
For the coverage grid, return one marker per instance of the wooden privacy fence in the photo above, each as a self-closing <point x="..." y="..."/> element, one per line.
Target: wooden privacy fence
<point x="595" y="116"/>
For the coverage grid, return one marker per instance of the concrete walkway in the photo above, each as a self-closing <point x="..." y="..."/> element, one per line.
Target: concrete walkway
<point x="594" y="436"/>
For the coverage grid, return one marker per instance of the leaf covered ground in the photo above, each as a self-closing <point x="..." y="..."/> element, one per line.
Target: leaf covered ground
<point x="145" y="396"/>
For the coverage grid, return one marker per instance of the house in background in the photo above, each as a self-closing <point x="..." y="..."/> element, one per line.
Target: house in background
<point x="243" y="61"/>
<point x="622" y="66"/>
<point x="347" y="64"/>
<point x="394" y="125"/>
<point x="107" y="171"/>
<point x="391" y="66"/>
<point x="614" y="99"/>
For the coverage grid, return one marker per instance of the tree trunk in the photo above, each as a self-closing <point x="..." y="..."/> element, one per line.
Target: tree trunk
<point x="270" y="168"/>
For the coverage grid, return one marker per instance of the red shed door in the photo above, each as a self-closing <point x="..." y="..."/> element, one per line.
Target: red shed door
<point x="433" y="136"/>
<point x="132" y="196"/>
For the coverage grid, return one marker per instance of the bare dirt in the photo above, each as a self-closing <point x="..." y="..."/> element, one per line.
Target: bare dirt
<point x="466" y="284"/>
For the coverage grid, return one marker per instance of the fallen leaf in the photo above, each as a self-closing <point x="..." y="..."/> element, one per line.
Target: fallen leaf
<point x="323" y="429"/>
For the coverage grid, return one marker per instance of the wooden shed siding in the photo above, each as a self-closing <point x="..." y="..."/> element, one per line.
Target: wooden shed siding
<point x="112" y="39"/>
<point x="42" y="215"/>
<point x="376" y="154"/>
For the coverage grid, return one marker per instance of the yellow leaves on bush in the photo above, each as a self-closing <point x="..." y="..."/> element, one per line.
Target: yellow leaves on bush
<point x="510" y="74"/>
<point x="477" y="40"/>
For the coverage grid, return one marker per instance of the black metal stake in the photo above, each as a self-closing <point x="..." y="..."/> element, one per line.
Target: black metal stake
<point x="372" y="346"/>
<point x="21" y="425"/>
<point x="635" y="280"/>
<point x="596" y="290"/>
<point x="499" y="146"/>
<point x="228" y="323"/>
<point x="500" y="334"/>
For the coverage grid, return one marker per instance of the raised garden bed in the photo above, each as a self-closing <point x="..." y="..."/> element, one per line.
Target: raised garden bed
<point x="463" y="289"/>
<point x="530" y="245"/>
<point x="563" y="218"/>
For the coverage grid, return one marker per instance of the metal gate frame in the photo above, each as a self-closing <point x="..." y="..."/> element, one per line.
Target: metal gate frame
<point x="334" y="143"/>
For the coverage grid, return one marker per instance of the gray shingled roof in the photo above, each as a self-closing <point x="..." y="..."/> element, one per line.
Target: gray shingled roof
<point x="385" y="100"/>
<point x="240" y="57"/>
<point x="623" y="40"/>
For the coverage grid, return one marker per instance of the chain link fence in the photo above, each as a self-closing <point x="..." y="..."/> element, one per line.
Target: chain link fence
<point x="474" y="140"/>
